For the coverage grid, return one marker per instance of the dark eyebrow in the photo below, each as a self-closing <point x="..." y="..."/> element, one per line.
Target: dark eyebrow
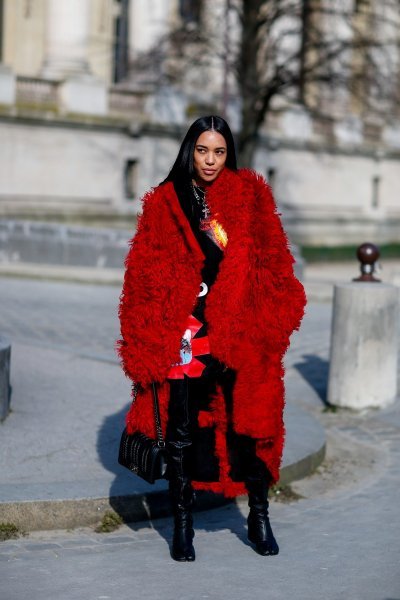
<point x="206" y="147"/>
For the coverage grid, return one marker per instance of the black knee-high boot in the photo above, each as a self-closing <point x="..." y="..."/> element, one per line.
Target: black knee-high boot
<point x="259" y="528"/>
<point x="179" y="445"/>
<point x="182" y="499"/>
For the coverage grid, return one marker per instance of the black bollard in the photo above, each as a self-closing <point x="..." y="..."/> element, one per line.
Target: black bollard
<point x="368" y="255"/>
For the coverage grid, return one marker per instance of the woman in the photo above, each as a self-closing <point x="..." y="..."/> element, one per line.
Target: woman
<point x="216" y="354"/>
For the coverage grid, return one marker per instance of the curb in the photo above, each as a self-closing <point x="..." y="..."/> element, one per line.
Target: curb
<point x="72" y="274"/>
<point x="315" y="291"/>
<point x="71" y="513"/>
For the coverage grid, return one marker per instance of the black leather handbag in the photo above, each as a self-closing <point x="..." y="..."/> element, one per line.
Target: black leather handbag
<point x="143" y="455"/>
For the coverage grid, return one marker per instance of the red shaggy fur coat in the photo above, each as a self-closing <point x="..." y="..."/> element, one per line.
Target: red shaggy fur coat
<point x="253" y="307"/>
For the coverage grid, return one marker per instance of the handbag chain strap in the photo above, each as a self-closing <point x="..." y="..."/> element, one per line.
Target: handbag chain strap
<point x="160" y="438"/>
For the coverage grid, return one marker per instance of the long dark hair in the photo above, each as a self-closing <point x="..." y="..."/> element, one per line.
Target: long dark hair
<point x="183" y="166"/>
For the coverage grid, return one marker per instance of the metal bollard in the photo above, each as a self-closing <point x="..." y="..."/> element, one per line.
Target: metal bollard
<point x="364" y="340"/>
<point x="368" y="255"/>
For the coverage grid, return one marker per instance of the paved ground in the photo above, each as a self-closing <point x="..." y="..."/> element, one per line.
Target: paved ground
<point x="69" y="400"/>
<point x="341" y="540"/>
<point x="83" y="319"/>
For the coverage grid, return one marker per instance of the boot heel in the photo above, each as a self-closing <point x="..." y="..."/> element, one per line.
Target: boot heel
<point x="259" y="530"/>
<point x="182" y="546"/>
<point x="182" y="497"/>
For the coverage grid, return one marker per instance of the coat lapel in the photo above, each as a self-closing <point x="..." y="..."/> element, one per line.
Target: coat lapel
<point x="224" y="310"/>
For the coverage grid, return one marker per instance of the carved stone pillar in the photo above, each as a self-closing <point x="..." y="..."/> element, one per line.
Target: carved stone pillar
<point x="66" y="39"/>
<point x="66" y="58"/>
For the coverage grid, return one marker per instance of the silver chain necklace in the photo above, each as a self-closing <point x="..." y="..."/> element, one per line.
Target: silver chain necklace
<point x="200" y="197"/>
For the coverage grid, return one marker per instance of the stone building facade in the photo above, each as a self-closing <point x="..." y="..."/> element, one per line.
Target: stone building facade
<point x="95" y="96"/>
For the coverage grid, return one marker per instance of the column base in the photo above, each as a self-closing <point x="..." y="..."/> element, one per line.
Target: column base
<point x="59" y="69"/>
<point x="84" y="94"/>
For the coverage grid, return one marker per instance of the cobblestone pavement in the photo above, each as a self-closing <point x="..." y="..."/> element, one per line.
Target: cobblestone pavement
<point x="340" y="541"/>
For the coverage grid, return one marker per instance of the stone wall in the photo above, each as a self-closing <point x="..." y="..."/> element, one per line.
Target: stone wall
<point x="67" y="171"/>
<point x="59" y="165"/>
<point x="62" y="168"/>
<point x="333" y="196"/>
<point x="54" y="244"/>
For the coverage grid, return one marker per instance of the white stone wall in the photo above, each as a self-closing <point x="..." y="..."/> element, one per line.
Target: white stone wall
<point x="327" y="198"/>
<point x="158" y="155"/>
<point x="390" y="174"/>
<point x="62" y="165"/>
<point x="331" y="181"/>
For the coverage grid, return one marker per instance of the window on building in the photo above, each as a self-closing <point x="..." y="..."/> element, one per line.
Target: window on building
<point x="190" y="11"/>
<point x="121" y="40"/>
<point x="28" y="9"/>
<point x="360" y="5"/>
<point x="376" y="181"/>
<point x="271" y="176"/>
<point x="130" y="178"/>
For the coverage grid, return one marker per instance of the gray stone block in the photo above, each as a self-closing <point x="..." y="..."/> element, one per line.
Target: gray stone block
<point x="364" y="346"/>
<point x="55" y="244"/>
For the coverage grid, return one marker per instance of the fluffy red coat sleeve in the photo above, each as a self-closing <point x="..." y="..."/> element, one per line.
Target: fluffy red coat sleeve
<point x="276" y="291"/>
<point x="153" y="306"/>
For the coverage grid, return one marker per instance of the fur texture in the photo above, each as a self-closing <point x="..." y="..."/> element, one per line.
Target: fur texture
<point x="253" y="307"/>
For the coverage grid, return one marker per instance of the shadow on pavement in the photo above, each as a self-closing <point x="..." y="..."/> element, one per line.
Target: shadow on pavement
<point x="129" y="496"/>
<point x="205" y="521"/>
<point x="140" y="504"/>
<point x="108" y="438"/>
<point x="315" y="371"/>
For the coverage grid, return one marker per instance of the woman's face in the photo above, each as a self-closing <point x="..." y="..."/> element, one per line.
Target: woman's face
<point x="209" y="157"/>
